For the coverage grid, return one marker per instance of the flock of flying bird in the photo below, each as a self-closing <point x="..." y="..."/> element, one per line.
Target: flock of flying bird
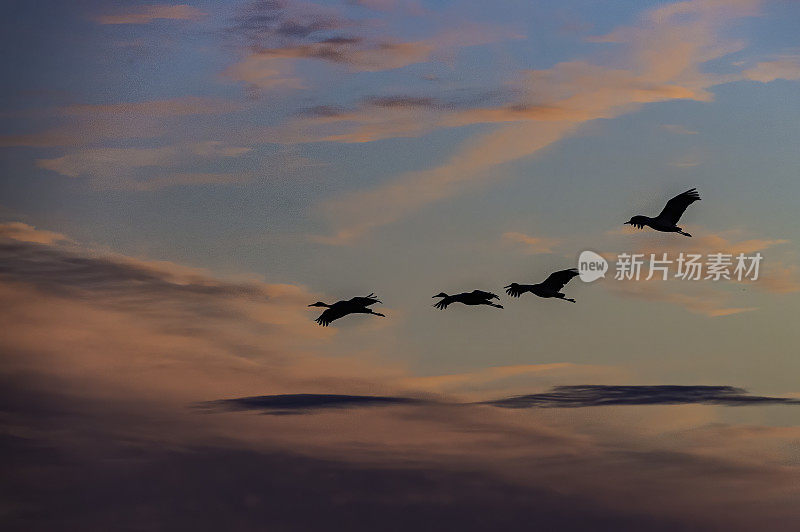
<point x="550" y="288"/>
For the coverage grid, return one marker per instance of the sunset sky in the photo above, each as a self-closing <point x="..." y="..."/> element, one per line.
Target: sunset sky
<point x="179" y="182"/>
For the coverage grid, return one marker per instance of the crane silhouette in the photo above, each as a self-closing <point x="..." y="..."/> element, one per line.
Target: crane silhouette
<point x="551" y="287"/>
<point x="668" y="219"/>
<point x="340" y="309"/>
<point x="476" y="297"/>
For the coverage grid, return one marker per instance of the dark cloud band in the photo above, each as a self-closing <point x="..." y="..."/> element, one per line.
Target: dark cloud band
<point x="559" y="397"/>
<point x="597" y="395"/>
<point x="301" y="402"/>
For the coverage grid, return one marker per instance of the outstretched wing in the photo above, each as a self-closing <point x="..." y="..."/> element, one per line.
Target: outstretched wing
<point x="442" y="304"/>
<point x="674" y="208"/>
<point x="516" y="290"/>
<point x="485" y="295"/>
<point x="557" y="280"/>
<point x="333" y="313"/>
<point x="364" y="301"/>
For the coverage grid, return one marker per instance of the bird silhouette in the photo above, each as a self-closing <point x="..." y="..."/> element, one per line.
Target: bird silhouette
<point x="340" y="309"/>
<point x="476" y="297"/>
<point x="667" y="221"/>
<point x="551" y="287"/>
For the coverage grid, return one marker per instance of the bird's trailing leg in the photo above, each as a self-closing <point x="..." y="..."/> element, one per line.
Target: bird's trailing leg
<point x="494" y="305"/>
<point x="564" y="297"/>
<point x="378" y="314"/>
<point x="684" y="233"/>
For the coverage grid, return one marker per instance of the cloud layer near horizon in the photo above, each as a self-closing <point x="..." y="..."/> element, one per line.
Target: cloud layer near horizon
<point x="131" y="344"/>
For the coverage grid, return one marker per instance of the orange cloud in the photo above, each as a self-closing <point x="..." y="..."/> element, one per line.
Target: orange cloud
<point x="27" y="233"/>
<point x="779" y="279"/>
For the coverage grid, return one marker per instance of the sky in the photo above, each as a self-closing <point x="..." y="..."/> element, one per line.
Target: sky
<point x="180" y="181"/>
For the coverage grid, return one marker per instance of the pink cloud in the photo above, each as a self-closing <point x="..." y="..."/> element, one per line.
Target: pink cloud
<point x="787" y="68"/>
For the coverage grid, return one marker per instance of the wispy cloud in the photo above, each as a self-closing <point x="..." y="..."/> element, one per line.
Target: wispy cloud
<point x="779" y="278"/>
<point x="23" y="232"/>
<point x="664" y="55"/>
<point x="704" y="241"/>
<point x="784" y="68"/>
<point x="697" y="300"/>
<point x="521" y="376"/>
<point x="148" y="14"/>
<point x="116" y="167"/>
<point x="275" y="34"/>
<point x="397" y="116"/>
